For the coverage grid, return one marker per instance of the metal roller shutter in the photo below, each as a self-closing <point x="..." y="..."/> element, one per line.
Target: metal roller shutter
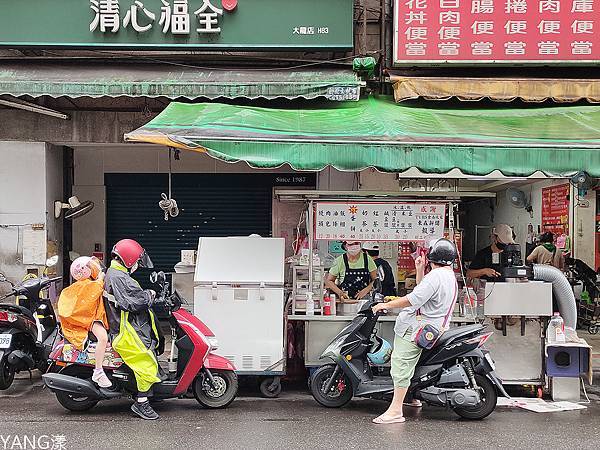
<point x="210" y="205"/>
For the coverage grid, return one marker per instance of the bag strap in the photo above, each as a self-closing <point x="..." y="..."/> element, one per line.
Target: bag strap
<point x="153" y="323"/>
<point x="346" y="263"/>
<point x="454" y="298"/>
<point x="124" y="320"/>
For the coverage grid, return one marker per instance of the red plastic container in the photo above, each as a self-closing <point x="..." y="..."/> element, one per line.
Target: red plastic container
<point x="326" y="305"/>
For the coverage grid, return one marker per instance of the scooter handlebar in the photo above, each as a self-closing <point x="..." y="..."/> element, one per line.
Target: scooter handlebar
<point x="172" y="301"/>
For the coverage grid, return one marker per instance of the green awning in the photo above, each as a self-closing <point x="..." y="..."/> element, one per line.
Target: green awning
<point x="378" y="133"/>
<point x="174" y="81"/>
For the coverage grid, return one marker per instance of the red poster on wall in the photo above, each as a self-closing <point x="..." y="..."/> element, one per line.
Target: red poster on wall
<point x="555" y="209"/>
<point x="406" y="263"/>
<point x="489" y="31"/>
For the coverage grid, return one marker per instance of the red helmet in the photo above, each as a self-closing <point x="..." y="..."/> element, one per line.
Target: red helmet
<point x="130" y="252"/>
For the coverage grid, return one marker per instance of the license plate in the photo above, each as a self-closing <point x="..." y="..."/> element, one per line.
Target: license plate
<point x="5" y="340"/>
<point x="490" y="361"/>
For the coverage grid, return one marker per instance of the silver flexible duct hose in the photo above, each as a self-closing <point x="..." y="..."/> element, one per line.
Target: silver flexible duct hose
<point x="562" y="292"/>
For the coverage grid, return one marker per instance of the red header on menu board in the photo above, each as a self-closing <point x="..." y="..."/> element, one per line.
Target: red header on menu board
<point x="496" y="30"/>
<point x="555" y="208"/>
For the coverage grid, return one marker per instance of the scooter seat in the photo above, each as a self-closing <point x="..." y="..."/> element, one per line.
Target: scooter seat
<point x="456" y="332"/>
<point x="67" y="353"/>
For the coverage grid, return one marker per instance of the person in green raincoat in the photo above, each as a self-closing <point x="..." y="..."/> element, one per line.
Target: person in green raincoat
<point x="133" y="327"/>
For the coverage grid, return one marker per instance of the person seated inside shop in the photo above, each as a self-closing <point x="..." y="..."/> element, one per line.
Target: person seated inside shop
<point x="354" y="271"/>
<point x="486" y="264"/>
<point x="547" y="252"/>
<point x="388" y="285"/>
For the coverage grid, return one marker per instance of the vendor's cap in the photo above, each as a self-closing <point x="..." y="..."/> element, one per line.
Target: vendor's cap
<point x="504" y="233"/>
<point x="373" y="246"/>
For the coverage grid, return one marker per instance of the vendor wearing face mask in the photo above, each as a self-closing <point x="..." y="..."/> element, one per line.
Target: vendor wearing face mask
<point x="486" y="264"/>
<point x="355" y="270"/>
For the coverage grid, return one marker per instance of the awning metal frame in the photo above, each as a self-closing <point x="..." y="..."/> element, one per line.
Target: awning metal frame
<point x="17" y="103"/>
<point x="291" y="195"/>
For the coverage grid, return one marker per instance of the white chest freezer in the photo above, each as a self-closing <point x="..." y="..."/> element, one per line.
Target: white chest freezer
<point x="238" y="293"/>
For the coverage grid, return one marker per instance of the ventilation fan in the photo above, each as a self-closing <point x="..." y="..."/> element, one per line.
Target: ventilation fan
<point x="582" y="182"/>
<point x="518" y="199"/>
<point x="73" y="209"/>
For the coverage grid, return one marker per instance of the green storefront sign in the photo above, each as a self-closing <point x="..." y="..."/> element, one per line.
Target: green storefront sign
<point x="178" y="24"/>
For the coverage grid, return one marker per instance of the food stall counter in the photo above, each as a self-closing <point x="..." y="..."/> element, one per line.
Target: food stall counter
<point x="320" y="330"/>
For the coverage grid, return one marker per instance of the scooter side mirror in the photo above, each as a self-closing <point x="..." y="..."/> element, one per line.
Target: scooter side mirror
<point x="158" y="277"/>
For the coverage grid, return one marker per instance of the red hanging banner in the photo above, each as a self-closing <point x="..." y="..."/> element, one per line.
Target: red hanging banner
<point x="555" y="209"/>
<point x="487" y="31"/>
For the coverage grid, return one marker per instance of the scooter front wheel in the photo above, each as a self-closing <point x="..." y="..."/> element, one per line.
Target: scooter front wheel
<point x="340" y="392"/>
<point x="221" y="394"/>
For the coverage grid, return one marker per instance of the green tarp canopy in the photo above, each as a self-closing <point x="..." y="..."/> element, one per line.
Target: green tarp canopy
<point x="376" y="132"/>
<point x="93" y="79"/>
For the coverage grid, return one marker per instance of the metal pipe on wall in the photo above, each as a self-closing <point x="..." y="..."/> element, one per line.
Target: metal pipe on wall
<point x="309" y="232"/>
<point x="364" y="52"/>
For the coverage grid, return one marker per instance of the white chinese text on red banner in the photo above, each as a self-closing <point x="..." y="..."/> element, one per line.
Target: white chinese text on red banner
<point x="530" y="31"/>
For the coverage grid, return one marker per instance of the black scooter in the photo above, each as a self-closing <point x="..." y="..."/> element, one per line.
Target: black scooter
<point x="26" y="336"/>
<point x="457" y="372"/>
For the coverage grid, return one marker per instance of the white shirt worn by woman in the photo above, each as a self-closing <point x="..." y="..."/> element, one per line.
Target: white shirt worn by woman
<point x="432" y="298"/>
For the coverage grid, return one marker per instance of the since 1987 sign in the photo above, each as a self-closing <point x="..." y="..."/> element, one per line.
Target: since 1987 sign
<point x="486" y="31"/>
<point x="178" y="24"/>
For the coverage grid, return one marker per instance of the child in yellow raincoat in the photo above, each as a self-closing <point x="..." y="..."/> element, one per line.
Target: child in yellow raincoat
<point x="81" y="309"/>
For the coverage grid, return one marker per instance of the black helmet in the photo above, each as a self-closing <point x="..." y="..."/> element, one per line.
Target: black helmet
<point x="442" y="252"/>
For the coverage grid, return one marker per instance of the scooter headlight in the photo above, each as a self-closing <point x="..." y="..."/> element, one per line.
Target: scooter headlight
<point x="214" y="343"/>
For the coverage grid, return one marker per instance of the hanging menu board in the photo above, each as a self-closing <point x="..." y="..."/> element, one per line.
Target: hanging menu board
<point x="555" y="209"/>
<point x="379" y="221"/>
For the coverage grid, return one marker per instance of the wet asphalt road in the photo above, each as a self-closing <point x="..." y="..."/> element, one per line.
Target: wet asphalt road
<point x="292" y="421"/>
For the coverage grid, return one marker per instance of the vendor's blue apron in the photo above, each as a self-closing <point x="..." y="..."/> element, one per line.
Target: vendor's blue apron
<point x="355" y="280"/>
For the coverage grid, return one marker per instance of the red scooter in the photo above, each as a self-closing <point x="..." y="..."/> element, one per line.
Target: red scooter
<point x="192" y="365"/>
